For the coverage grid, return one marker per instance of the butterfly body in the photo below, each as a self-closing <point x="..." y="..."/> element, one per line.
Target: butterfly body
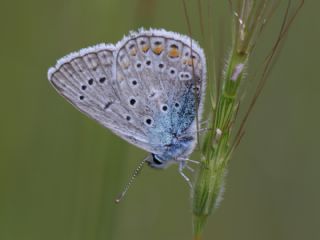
<point x="148" y="89"/>
<point x="175" y="131"/>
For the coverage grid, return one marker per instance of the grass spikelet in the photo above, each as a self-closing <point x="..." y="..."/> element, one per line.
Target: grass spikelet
<point x="250" y="18"/>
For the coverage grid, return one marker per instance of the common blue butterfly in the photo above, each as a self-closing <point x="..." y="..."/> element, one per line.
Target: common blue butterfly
<point x="148" y="89"/>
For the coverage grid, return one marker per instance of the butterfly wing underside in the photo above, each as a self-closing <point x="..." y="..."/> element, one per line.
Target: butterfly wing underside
<point x="125" y="87"/>
<point x="85" y="79"/>
<point x="161" y="75"/>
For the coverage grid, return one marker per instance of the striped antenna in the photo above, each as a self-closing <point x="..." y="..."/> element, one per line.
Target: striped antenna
<point x="135" y="173"/>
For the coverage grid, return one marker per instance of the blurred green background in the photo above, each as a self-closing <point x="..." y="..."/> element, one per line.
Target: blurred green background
<point x="60" y="171"/>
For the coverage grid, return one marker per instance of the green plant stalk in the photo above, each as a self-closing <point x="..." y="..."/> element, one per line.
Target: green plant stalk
<point x="249" y="21"/>
<point x="216" y="149"/>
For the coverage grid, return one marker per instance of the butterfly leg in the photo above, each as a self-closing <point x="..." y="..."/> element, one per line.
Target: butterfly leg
<point x="188" y="160"/>
<point x="204" y="122"/>
<point x="182" y="165"/>
<point x="200" y="131"/>
<point x="204" y="130"/>
<point x="189" y="168"/>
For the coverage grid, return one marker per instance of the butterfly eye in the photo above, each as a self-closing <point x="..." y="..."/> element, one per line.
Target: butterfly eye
<point x="156" y="160"/>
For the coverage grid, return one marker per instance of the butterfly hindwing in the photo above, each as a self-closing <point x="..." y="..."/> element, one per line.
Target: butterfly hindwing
<point x="163" y="74"/>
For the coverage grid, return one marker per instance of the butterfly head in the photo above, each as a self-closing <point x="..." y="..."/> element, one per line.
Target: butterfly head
<point x="155" y="161"/>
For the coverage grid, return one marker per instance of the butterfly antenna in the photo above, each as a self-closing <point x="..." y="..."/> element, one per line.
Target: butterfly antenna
<point x="135" y="173"/>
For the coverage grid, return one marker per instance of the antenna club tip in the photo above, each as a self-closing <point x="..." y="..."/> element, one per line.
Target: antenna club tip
<point x="119" y="198"/>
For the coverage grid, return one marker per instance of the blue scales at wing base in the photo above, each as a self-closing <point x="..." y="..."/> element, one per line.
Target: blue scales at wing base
<point x="175" y="131"/>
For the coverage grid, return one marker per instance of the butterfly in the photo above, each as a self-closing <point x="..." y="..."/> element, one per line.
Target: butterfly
<point x="148" y="89"/>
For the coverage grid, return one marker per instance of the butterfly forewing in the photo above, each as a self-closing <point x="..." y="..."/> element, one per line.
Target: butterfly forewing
<point x="85" y="79"/>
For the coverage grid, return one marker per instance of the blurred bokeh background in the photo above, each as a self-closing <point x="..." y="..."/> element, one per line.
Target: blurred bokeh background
<point x="60" y="171"/>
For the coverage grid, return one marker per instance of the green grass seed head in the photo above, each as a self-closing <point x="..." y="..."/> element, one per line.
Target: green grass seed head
<point x="250" y="17"/>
